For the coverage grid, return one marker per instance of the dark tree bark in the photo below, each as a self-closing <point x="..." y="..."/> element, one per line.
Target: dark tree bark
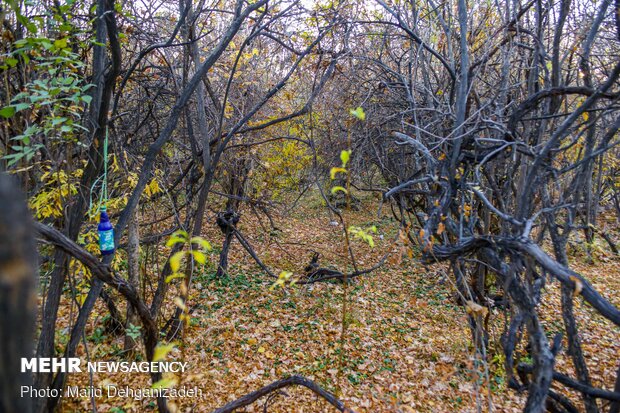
<point x="615" y="405"/>
<point x="18" y="303"/>
<point x="280" y="384"/>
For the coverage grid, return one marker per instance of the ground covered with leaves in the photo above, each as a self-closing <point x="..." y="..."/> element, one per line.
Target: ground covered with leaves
<point x="407" y="348"/>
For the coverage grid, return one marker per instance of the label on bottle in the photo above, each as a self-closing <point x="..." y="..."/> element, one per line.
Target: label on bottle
<point x="106" y="240"/>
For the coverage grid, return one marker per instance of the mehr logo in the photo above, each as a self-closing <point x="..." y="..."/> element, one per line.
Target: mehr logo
<point x="72" y="365"/>
<point x="51" y="365"/>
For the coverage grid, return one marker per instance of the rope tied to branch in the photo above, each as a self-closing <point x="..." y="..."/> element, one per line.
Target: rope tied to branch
<point x="105" y="229"/>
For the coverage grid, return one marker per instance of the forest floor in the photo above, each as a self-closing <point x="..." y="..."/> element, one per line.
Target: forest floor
<point x="408" y="344"/>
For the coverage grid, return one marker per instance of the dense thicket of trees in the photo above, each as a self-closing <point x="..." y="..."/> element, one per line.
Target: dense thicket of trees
<point x="488" y="127"/>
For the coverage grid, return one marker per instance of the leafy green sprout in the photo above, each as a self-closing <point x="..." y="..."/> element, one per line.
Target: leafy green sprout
<point x="199" y="255"/>
<point x="344" y="158"/>
<point x="283" y="278"/>
<point x="364" y="234"/>
<point x="133" y="331"/>
<point x="358" y="113"/>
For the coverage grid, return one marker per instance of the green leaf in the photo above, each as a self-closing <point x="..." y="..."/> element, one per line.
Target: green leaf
<point x="338" y="188"/>
<point x="344" y="157"/>
<point x="175" y="260"/>
<point x="11" y="61"/>
<point x="60" y="43"/>
<point x="358" y="113"/>
<point x="7" y="111"/>
<point x="57" y="121"/>
<point x="13" y="158"/>
<point x="47" y="45"/>
<point x="32" y="28"/>
<point x="87" y="99"/>
<point x="65" y="27"/>
<point x="21" y="106"/>
<point x="162" y="350"/>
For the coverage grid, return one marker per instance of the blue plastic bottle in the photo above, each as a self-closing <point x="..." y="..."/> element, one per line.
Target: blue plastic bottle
<point x="106" y="233"/>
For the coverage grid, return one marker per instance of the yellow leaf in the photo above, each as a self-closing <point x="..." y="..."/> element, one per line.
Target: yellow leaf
<point x="344" y="157"/>
<point x="252" y="341"/>
<point x="152" y="188"/>
<point x="165" y="383"/>
<point x="178" y="301"/>
<point x="279" y="283"/>
<point x="285" y="275"/>
<point x="199" y="256"/>
<point x="338" y="188"/>
<point x="261" y="349"/>
<point x="161" y="351"/>
<point x="206" y="245"/>
<point x="177" y="237"/>
<point x="175" y="261"/>
<point x="80" y="298"/>
<point x="228" y="110"/>
<point x="335" y="170"/>
<point x="358" y="113"/>
<point x="174" y="276"/>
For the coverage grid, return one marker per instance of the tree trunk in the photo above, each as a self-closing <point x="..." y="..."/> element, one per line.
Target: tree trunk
<point x="223" y="265"/>
<point x="18" y="303"/>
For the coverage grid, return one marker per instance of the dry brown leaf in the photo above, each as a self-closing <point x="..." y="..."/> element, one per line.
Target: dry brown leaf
<point x="578" y="285"/>
<point x="476" y="309"/>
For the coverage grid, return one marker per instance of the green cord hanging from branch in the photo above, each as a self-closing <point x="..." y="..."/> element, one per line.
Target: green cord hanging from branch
<point x="105" y="228"/>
